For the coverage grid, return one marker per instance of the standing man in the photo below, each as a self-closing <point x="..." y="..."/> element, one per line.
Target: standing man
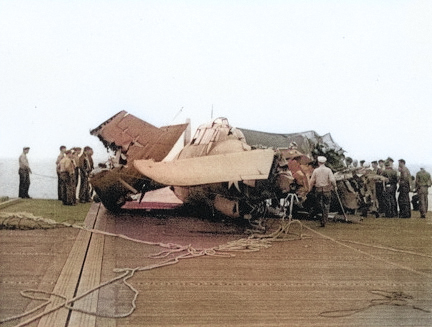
<point x="324" y="182"/>
<point x="67" y="172"/>
<point x="24" y="172"/>
<point x="59" y="182"/>
<point x="404" y="189"/>
<point x="85" y="167"/>
<point x="423" y="182"/>
<point x="76" y="153"/>
<point x="390" y="188"/>
<point x="379" y="187"/>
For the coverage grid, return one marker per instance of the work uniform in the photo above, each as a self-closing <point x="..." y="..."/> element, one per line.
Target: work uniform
<point x="84" y="169"/>
<point x="389" y="193"/>
<point x="423" y="182"/>
<point x="60" y="195"/>
<point x="67" y="171"/>
<point x="404" y="189"/>
<point x="324" y="182"/>
<point x="24" y="176"/>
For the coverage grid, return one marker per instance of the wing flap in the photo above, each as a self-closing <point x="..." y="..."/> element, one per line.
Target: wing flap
<point x="237" y="166"/>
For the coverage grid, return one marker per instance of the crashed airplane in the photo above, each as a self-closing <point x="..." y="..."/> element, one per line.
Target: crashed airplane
<point x="234" y="172"/>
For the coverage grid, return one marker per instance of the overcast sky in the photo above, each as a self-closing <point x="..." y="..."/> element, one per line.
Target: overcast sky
<point x="361" y="70"/>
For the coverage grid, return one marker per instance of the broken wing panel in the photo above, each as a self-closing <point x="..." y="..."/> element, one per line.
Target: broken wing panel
<point x="157" y="145"/>
<point x="238" y="166"/>
<point x="140" y="139"/>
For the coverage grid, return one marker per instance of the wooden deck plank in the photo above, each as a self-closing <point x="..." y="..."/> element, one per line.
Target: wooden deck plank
<point x="91" y="277"/>
<point x="69" y="277"/>
<point x="107" y="295"/>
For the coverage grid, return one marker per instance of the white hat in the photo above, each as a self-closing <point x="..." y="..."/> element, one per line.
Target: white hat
<point x="322" y="159"/>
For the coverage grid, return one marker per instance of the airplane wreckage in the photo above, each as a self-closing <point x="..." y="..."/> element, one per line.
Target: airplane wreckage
<point x="229" y="171"/>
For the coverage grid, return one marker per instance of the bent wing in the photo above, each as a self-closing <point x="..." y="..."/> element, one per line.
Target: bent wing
<point x="138" y="138"/>
<point x="237" y="166"/>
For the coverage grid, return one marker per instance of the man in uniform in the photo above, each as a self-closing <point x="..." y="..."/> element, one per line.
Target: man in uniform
<point x="59" y="183"/>
<point x="404" y="189"/>
<point x="390" y="188"/>
<point x="24" y="172"/>
<point x="324" y="182"/>
<point x="67" y="171"/>
<point x="423" y="182"/>
<point x="379" y="187"/>
<point x="85" y="167"/>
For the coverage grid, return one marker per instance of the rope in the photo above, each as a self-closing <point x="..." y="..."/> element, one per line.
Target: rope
<point x="388" y="248"/>
<point x="370" y="255"/>
<point x="251" y="244"/>
<point x="389" y="298"/>
<point x="45" y="176"/>
<point x="26" y="220"/>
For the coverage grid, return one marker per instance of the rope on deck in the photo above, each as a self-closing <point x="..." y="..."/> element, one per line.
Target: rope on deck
<point x="399" y="299"/>
<point x="25" y="220"/>
<point x="251" y="244"/>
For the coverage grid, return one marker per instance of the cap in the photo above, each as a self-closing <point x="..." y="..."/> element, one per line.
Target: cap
<point x="26" y="148"/>
<point x="322" y="159"/>
<point x="402" y="160"/>
<point x="374" y="162"/>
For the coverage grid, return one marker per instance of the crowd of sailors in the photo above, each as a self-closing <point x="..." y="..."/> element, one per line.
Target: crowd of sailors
<point x="73" y="169"/>
<point x="385" y="190"/>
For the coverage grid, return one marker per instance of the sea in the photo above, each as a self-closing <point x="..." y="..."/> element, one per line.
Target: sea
<point x="43" y="180"/>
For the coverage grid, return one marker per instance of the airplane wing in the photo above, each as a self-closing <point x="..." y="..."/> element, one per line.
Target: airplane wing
<point x="237" y="166"/>
<point x="140" y="139"/>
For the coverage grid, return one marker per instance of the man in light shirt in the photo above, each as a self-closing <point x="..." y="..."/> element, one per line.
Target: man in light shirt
<point x="324" y="182"/>
<point x="24" y="172"/>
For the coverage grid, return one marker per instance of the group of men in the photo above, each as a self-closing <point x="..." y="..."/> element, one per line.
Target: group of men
<point x="73" y="170"/>
<point x="386" y="182"/>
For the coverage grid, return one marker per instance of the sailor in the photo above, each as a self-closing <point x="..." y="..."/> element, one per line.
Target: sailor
<point x="59" y="183"/>
<point x="423" y="181"/>
<point x="85" y="167"/>
<point x="390" y="190"/>
<point x="24" y="172"/>
<point x="404" y="189"/>
<point x="379" y="186"/>
<point x="324" y="182"/>
<point x="390" y="160"/>
<point x="349" y="163"/>
<point x="369" y="179"/>
<point x="381" y="164"/>
<point x="67" y="171"/>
